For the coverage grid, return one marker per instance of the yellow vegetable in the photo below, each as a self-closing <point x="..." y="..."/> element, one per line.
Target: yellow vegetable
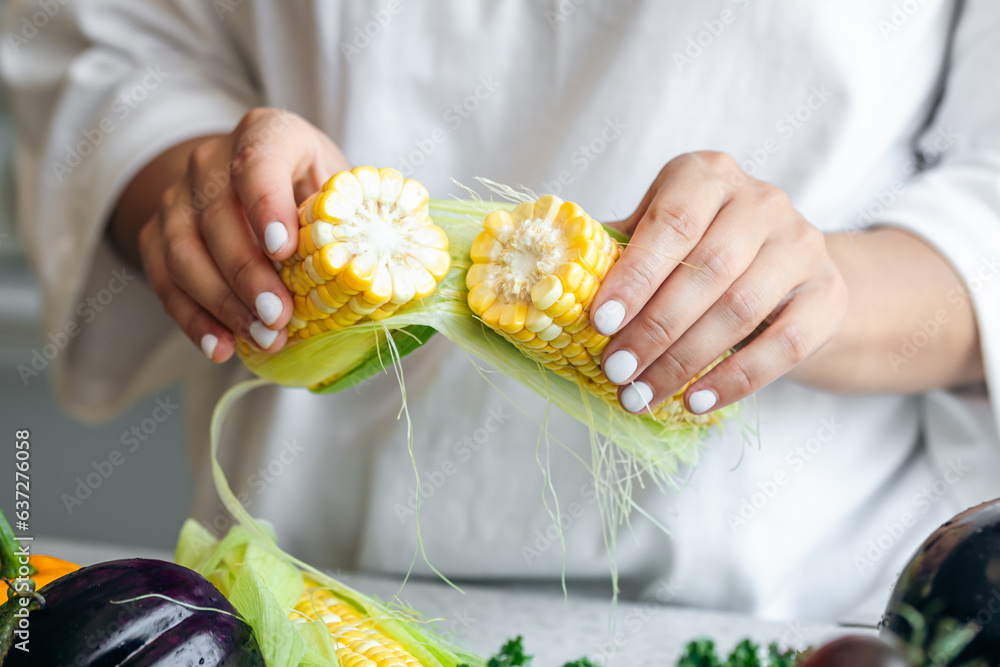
<point x="534" y="274"/>
<point x="357" y="640"/>
<point x="367" y="247"/>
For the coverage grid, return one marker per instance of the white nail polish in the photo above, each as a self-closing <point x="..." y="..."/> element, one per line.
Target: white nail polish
<point x="636" y="397"/>
<point x="208" y="343"/>
<point x="269" y="307"/>
<point x="609" y="317"/>
<point x="620" y="366"/>
<point x="275" y="236"/>
<point x="263" y="336"/>
<point x="702" y="401"/>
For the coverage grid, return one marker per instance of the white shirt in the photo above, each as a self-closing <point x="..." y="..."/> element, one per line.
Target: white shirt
<point x="830" y="100"/>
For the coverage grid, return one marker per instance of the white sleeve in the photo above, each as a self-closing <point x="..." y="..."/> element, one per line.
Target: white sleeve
<point x="98" y="89"/>
<point x="955" y="204"/>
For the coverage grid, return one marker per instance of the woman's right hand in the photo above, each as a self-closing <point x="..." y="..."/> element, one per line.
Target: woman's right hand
<point x="229" y="210"/>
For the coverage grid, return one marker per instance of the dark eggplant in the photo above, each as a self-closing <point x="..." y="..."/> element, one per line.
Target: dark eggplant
<point x="945" y="608"/>
<point x="855" y="651"/>
<point x="102" y="616"/>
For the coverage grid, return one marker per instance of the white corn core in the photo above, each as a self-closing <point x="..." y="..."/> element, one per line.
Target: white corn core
<point x="384" y="231"/>
<point x="531" y="251"/>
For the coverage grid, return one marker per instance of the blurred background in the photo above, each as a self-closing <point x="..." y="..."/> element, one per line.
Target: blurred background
<point x="143" y="501"/>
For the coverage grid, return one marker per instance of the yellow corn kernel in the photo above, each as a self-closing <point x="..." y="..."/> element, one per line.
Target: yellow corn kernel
<point x="367" y="247"/>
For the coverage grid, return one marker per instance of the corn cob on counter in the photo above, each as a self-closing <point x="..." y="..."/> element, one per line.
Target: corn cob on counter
<point x="356" y="639"/>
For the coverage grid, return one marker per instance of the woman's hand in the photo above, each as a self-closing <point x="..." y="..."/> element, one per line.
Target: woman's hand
<point x="747" y="257"/>
<point x="225" y="212"/>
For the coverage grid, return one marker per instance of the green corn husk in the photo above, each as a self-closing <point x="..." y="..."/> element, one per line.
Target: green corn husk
<point x="264" y="583"/>
<point x="339" y="359"/>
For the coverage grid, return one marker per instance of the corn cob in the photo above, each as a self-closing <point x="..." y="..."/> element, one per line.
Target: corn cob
<point x="535" y="271"/>
<point x="357" y="640"/>
<point x="367" y="248"/>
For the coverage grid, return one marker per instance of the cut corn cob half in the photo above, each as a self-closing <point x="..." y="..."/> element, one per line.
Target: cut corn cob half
<point x="535" y="271"/>
<point x="367" y="248"/>
<point x="356" y="638"/>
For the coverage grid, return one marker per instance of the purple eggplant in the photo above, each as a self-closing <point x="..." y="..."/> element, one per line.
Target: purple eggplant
<point x="945" y="608"/>
<point x="855" y="651"/>
<point x="136" y="613"/>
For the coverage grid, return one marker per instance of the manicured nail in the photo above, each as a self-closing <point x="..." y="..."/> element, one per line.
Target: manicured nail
<point x="702" y="401"/>
<point x="609" y="317"/>
<point x="208" y="343"/>
<point x="620" y="366"/>
<point x="636" y="397"/>
<point x="275" y="237"/>
<point x="263" y="336"/>
<point x="269" y="307"/>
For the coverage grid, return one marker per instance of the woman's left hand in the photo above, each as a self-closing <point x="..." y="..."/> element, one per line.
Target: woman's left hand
<point x="747" y="256"/>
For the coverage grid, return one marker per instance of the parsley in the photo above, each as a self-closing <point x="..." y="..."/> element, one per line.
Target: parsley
<point x="702" y="653"/>
<point x="699" y="653"/>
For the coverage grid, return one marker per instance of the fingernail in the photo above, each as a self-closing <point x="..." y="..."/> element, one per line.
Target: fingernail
<point x="263" y="336"/>
<point x="269" y="307"/>
<point x="609" y="317"/>
<point x="636" y="396"/>
<point x="620" y="366"/>
<point x="208" y="343"/>
<point x="275" y="237"/>
<point x="702" y="401"/>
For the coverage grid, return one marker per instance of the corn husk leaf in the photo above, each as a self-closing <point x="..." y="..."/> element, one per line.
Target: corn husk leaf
<point x="264" y="583"/>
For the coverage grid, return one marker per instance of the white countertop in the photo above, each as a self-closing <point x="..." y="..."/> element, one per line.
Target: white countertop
<point x="555" y="630"/>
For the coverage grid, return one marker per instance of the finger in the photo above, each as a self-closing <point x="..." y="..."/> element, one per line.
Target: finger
<point x="204" y="330"/>
<point x="693" y="191"/>
<point x="244" y="267"/>
<point x="804" y="325"/>
<point x="327" y="162"/>
<point x="729" y="246"/>
<point x="748" y="302"/>
<point x="190" y="266"/>
<point x="273" y="153"/>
